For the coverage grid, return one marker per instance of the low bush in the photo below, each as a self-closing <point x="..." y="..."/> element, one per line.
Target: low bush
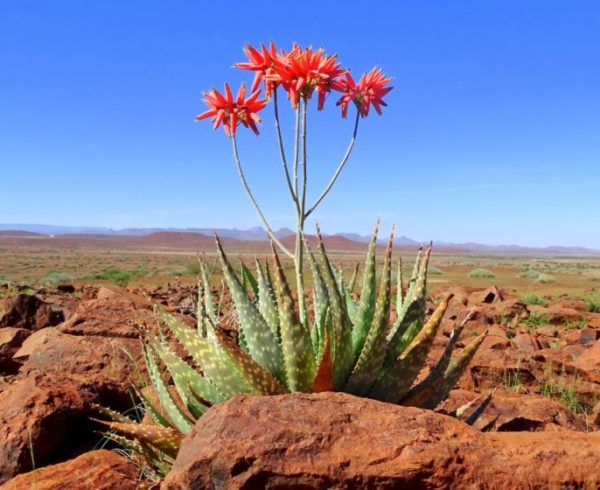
<point x="533" y="299"/>
<point x="55" y="277"/>
<point x="481" y="273"/>
<point x="529" y="274"/>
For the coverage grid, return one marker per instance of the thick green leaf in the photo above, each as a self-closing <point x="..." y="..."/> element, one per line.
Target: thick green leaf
<point x="249" y="280"/>
<point x="342" y="326"/>
<point x="267" y="302"/>
<point x="259" y="380"/>
<point x="262" y="343"/>
<point x="352" y="283"/>
<point x="295" y="339"/>
<point x="320" y="304"/>
<point x="185" y="377"/>
<point x="396" y="378"/>
<point x="216" y="365"/>
<point x="373" y="350"/>
<point x="366" y="306"/>
<point x="399" y="287"/>
<point x="179" y="419"/>
<point x="163" y="438"/>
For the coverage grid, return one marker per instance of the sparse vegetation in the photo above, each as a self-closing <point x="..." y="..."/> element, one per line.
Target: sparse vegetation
<point x="533" y="299"/>
<point x="545" y="279"/>
<point x="55" y="277"/>
<point x="435" y="271"/>
<point x="481" y="273"/>
<point x="593" y="305"/>
<point x="567" y="395"/>
<point x="529" y="274"/>
<point x="535" y="320"/>
<point x="121" y="277"/>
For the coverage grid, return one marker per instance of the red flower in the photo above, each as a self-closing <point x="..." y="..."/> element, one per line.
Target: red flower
<point x="301" y="72"/>
<point x="229" y="111"/>
<point x="369" y="90"/>
<point x="261" y="62"/>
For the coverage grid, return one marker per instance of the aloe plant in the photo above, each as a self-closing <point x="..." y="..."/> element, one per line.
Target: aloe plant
<point x="345" y="345"/>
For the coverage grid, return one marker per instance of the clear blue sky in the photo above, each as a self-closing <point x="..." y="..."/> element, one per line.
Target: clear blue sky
<point x="492" y="132"/>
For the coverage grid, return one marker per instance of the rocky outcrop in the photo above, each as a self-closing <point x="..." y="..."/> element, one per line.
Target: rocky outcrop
<point x="334" y="440"/>
<point x="29" y="312"/>
<point x="11" y="340"/>
<point x="97" y="470"/>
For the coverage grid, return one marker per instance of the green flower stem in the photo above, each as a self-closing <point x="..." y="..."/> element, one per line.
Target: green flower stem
<point x="299" y="252"/>
<point x="270" y="232"/>
<point x="282" y="150"/>
<point x="338" y="170"/>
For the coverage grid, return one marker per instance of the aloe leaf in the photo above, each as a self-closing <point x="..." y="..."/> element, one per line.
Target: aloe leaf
<point x="324" y="378"/>
<point x="320" y="303"/>
<point x="412" y="315"/>
<point x="163" y="438"/>
<point x="185" y="376"/>
<point x="295" y="339"/>
<point x="258" y="379"/>
<point x="249" y="280"/>
<point x="262" y="343"/>
<point x="216" y="365"/>
<point x="179" y="419"/>
<point x="267" y="302"/>
<point x="157" y="417"/>
<point x="366" y="306"/>
<point x="399" y="287"/>
<point x="421" y="394"/>
<point x="209" y="306"/>
<point x="373" y="350"/>
<point x="201" y="310"/>
<point x="342" y="326"/>
<point x="454" y="371"/>
<point x="352" y="283"/>
<point x="397" y="378"/>
<point x="113" y="415"/>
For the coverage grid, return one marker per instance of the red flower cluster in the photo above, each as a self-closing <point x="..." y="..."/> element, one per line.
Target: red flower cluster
<point x="230" y="111"/>
<point x="300" y="72"/>
<point x="370" y="89"/>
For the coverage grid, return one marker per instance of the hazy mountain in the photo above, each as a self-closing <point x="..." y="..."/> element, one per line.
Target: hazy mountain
<point x="257" y="234"/>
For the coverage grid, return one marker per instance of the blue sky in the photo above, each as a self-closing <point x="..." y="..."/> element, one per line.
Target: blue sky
<point x="491" y="134"/>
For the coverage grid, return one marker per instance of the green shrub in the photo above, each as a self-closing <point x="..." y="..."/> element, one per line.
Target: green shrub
<point x="434" y="271"/>
<point x="529" y="274"/>
<point x="545" y="279"/>
<point x="535" y="320"/>
<point x="481" y="273"/>
<point x="593" y="305"/>
<point x="533" y="299"/>
<point x="55" y="277"/>
<point x="121" y="277"/>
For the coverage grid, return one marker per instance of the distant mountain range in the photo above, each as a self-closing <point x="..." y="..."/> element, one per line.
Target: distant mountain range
<point x="164" y="236"/>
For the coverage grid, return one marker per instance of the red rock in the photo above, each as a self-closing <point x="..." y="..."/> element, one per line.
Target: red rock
<point x="97" y="470"/>
<point x="557" y="315"/>
<point x="334" y="440"/>
<point x="590" y="359"/>
<point x="487" y="296"/>
<point x="10" y="341"/>
<point x="28" y="311"/>
<point x="107" y="318"/>
<point x="524" y="342"/>
<point x="505" y="312"/>
<point x="588" y="336"/>
<point x="511" y="412"/>
<point x="49" y="413"/>
<point x="34" y="342"/>
<point x="108" y="364"/>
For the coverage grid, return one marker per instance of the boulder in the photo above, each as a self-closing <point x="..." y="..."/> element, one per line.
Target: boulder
<point x="29" y="312"/>
<point x="110" y="365"/>
<point x="108" y="317"/>
<point x="487" y="296"/>
<point x="98" y="470"/>
<point x="335" y="440"/>
<point x="557" y="314"/>
<point x="508" y="411"/>
<point x="11" y="340"/>
<point x="45" y="419"/>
